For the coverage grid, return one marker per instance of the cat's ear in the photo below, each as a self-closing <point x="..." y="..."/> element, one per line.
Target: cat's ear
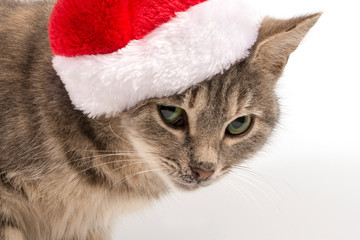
<point x="277" y="39"/>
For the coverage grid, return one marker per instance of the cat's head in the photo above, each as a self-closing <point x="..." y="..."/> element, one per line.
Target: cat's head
<point x="198" y="136"/>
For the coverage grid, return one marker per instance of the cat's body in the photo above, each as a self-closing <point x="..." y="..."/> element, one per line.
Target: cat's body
<point x="41" y="193"/>
<point x="64" y="175"/>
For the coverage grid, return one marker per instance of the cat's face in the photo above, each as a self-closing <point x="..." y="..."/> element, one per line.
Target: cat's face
<point x="197" y="136"/>
<point x="193" y="138"/>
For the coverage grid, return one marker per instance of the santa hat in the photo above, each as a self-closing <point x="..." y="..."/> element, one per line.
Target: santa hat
<point x="112" y="54"/>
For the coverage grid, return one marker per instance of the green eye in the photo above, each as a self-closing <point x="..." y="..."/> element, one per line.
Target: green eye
<point x="172" y="115"/>
<point x="239" y="125"/>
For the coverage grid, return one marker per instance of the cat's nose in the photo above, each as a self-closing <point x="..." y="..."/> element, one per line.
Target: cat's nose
<point x="200" y="174"/>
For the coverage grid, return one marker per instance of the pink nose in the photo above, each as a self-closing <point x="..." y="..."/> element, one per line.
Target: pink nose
<point x="200" y="174"/>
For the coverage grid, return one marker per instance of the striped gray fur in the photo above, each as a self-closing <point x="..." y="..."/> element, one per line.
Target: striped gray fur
<point x="64" y="175"/>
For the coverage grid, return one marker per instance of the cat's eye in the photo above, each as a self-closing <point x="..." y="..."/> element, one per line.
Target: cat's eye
<point x="171" y="115"/>
<point x="239" y="126"/>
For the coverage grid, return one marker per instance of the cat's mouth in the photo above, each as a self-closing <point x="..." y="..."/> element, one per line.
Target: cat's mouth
<point x="186" y="186"/>
<point x="191" y="185"/>
<point x="190" y="178"/>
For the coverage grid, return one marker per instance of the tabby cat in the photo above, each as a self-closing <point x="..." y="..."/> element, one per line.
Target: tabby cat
<point x="64" y="175"/>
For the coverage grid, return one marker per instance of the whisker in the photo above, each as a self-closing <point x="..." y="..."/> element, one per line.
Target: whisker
<point x="242" y="191"/>
<point x="116" y="161"/>
<point x="117" y="134"/>
<point x="268" y="196"/>
<point x="266" y="181"/>
<point x="270" y="187"/>
<point x="136" y="174"/>
<point x="115" y="169"/>
<point x="108" y="151"/>
<point x="254" y="176"/>
<point x="93" y="157"/>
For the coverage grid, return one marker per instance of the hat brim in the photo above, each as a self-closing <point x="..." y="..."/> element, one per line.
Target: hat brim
<point x="192" y="47"/>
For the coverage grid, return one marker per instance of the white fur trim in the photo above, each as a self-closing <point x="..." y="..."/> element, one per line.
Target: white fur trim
<point x="195" y="45"/>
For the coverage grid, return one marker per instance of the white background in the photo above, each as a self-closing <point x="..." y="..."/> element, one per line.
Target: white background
<point x="306" y="183"/>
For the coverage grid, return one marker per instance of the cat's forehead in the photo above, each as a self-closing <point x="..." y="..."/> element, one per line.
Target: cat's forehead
<point x="224" y="93"/>
<point x="235" y="92"/>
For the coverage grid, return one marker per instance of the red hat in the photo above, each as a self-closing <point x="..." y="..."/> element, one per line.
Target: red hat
<point x="112" y="54"/>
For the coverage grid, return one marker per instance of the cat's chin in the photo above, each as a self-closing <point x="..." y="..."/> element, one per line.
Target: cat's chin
<point x="190" y="186"/>
<point x="186" y="186"/>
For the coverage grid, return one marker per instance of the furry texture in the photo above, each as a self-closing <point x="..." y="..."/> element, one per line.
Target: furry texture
<point x="65" y="176"/>
<point x="85" y="27"/>
<point x="196" y="45"/>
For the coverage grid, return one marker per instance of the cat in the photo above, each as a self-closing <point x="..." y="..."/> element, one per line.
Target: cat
<point x="64" y="175"/>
